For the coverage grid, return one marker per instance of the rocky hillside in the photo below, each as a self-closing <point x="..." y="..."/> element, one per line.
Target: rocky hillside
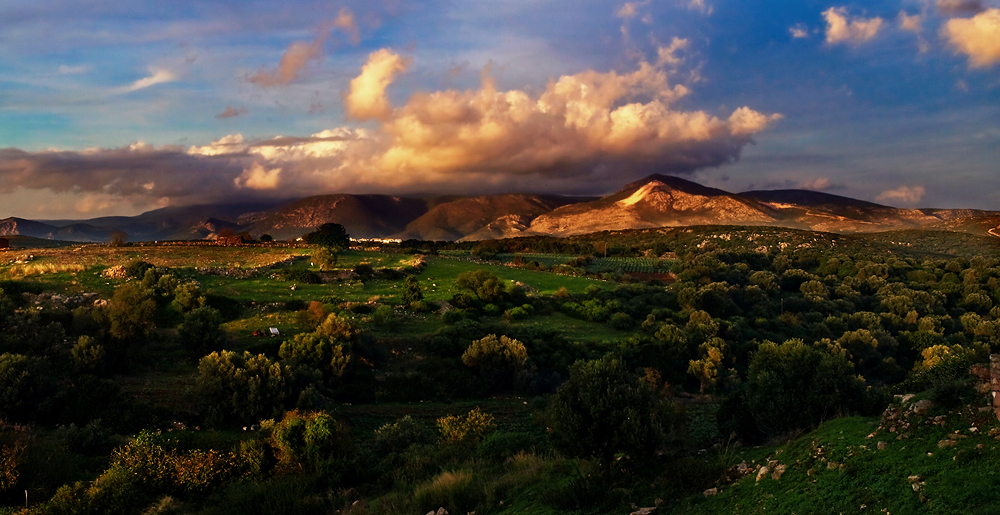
<point x="486" y="217"/>
<point x="652" y="202"/>
<point x="364" y="216"/>
<point x="656" y="201"/>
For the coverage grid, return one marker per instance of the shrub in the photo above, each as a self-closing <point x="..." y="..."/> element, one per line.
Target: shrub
<point x="130" y="312"/>
<point x="498" y="360"/>
<point x="312" y="440"/>
<point x="485" y="285"/>
<point x="326" y="257"/>
<point x="202" y="330"/>
<point x="601" y="411"/>
<point x="412" y="291"/>
<point x="471" y="427"/>
<point x="329" y="235"/>
<point x="401" y="435"/>
<point x="88" y="355"/>
<point x="242" y="386"/>
<point x="621" y="321"/>
<point x="299" y="275"/>
<point x="502" y="445"/>
<point x="793" y="386"/>
<point x="137" y="269"/>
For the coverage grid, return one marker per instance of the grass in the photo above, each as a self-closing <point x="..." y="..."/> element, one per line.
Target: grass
<point x="838" y="468"/>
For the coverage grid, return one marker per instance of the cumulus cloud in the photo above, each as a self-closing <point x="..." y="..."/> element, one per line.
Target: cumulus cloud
<point x="842" y="28"/>
<point x="700" y="6"/>
<point x="977" y="37"/>
<point x="366" y="98"/>
<point x="158" y="76"/>
<point x="902" y="194"/>
<point x="952" y="7"/>
<point x="585" y="132"/>
<point x="232" y="112"/>
<point x="256" y="177"/>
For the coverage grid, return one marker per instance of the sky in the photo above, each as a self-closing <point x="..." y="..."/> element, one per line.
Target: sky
<point x="115" y="107"/>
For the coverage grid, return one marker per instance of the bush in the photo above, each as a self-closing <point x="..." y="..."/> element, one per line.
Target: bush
<point x="471" y="427"/>
<point x="498" y="360"/>
<point x="202" y="330"/>
<point x="485" y="285"/>
<point x="792" y="386"/>
<point x="312" y="440"/>
<point x="241" y="386"/>
<point x="502" y="445"/>
<point x="130" y="312"/>
<point x="299" y="275"/>
<point x="601" y="411"/>
<point x="401" y="435"/>
<point x="621" y="321"/>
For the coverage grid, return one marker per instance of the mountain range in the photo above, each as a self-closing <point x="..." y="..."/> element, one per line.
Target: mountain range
<point x="655" y="201"/>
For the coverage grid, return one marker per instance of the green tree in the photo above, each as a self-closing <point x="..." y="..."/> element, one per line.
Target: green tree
<point x="329" y="235"/>
<point x="603" y="410"/>
<point x="485" y="285"/>
<point x="25" y="386"/>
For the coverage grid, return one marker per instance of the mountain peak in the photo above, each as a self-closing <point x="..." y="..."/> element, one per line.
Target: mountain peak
<point x="676" y="183"/>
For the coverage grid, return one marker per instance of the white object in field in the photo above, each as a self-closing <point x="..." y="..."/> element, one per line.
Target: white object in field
<point x="274" y="331"/>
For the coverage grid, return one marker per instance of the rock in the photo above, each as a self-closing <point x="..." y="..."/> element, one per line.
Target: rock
<point x="711" y="491"/>
<point x="905" y="398"/>
<point x="762" y="473"/>
<point x="946" y="443"/>
<point x="644" y="511"/>
<point x="882" y="445"/>
<point x="778" y="471"/>
<point x="921" y="407"/>
<point x="441" y="511"/>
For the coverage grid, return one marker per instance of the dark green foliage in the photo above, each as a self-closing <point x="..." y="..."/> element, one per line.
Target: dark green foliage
<point x="266" y="238"/>
<point x="137" y="269"/>
<point x="401" y="435"/>
<point x="329" y="235"/>
<point x="243" y="387"/>
<point x="412" y="293"/>
<point x="326" y="257"/>
<point x="25" y="387"/>
<point x="312" y="440"/>
<point x="497" y="360"/>
<point x="130" y="313"/>
<point x="298" y="275"/>
<point x="483" y="284"/>
<point x="793" y="386"/>
<point x="202" y="331"/>
<point x="601" y="411"/>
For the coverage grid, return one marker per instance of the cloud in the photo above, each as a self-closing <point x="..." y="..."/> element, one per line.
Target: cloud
<point x="231" y="112"/>
<point x="977" y="37"/>
<point x="840" y="28"/>
<point x="798" y="31"/>
<point x="668" y="54"/>
<point x="700" y="6"/>
<point x="293" y="61"/>
<point x="345" y="22"/>
<point x="629" y="10"/>
<point x="159" y="76"/>
<point x="300" y="53"/>
<point x="818" y="184"/>
<point x="960" y="6"/>
<point x="73" y="70"/>
<point x="586" y="132"/>
<point x="910" y="23"/>
<point x="366" y="99"/>
<point x="258" y="178"/>
<point x="902" y="194"/>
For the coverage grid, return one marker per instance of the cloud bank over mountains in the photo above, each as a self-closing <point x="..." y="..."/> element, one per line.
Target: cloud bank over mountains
<point x="584" y="132"/>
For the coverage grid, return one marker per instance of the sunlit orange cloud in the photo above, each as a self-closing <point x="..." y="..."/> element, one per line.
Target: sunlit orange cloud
<point x="579" y="125"/>
<point x="299" y="54"/>
<point x="977" y="37"/>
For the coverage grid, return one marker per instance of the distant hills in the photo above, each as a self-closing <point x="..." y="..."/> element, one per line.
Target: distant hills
<point x="655" y="201"/>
